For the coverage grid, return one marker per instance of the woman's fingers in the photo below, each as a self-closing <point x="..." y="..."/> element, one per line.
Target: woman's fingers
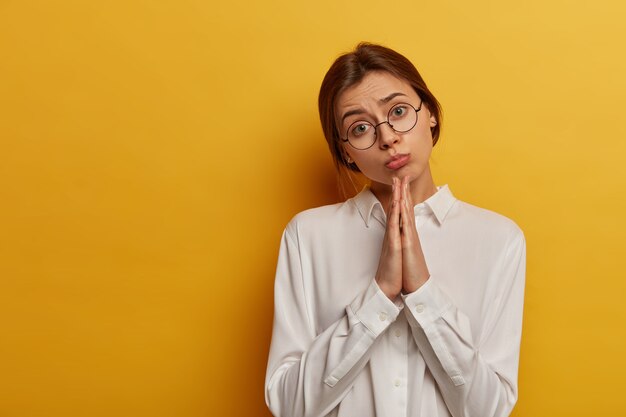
<point x="392" y="213"/>
<point x="414" y="269"/>
<point x="389" y="274"/>
<point x="397" y="195"/>
<point x="395" y="201"/>
<point x="407" y="216"/>
<point x="393" y="221"/>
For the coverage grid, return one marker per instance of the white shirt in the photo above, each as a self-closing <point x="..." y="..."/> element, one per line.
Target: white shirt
<point x="340" y="347"/>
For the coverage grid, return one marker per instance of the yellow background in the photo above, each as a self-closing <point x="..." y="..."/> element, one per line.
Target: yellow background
<point x="151" y="153"/>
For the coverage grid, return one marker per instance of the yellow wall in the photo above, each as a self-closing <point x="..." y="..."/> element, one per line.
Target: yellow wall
<point x="152" y="151"/>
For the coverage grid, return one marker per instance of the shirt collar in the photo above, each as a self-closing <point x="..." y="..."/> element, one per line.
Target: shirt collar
<point x="439" y="204"/>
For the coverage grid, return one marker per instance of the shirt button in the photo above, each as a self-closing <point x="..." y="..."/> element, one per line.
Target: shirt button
<point x="396" y="383"/>
<point x="382" y="316"/>
<point x="419" y="308"/>
<point x="397" y="332"/>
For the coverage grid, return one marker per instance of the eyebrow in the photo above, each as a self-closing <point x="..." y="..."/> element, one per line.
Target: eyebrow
<point x="391" y="96"/>
<point x="382" y="100"/>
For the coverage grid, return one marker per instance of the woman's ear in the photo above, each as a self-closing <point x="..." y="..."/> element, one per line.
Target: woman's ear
<point x="432" y="120"/>
<point x="346" y="156"/>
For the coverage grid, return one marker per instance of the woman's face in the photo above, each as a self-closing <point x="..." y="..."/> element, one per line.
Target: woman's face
<point x="393" y="154"/>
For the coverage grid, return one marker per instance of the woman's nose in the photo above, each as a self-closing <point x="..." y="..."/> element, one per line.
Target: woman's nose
<point x="386" y="135"/>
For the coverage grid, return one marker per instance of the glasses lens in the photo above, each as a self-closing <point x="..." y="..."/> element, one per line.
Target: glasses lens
<point x="402" y="117"/>
<point x="361" y="135"/>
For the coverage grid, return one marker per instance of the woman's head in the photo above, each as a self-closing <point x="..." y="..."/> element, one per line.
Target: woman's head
<point x="348" y="71"/>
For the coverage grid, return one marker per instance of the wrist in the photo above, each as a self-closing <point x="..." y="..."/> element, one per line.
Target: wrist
<point x="388" y="290"/>
<point x="414" y="285"/>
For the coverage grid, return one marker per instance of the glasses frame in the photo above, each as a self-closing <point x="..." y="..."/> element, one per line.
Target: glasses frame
<point x="382" y="123"/>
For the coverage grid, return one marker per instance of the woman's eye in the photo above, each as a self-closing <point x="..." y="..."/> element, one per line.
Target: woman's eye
<point x="398" y="111"/>
<point x="360" y="129"/>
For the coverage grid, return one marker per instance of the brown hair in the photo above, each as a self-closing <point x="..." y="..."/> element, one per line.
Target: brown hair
<point x="348" y="70"/>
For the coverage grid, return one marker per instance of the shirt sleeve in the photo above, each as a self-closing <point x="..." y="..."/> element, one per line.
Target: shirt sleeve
<point x="475" y="379"/>
<point x="308" y="374"/>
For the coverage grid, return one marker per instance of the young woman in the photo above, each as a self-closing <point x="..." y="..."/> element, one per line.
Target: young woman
<point x="401" y="301"/>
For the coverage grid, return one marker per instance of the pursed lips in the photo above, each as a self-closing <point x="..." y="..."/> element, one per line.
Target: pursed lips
<point x="398" y="161"/>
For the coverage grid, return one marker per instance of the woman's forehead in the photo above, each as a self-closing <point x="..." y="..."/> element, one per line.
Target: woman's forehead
<point x="375" y="87"/>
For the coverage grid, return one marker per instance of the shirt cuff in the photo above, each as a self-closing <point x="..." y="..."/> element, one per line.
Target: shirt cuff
<point x="374" y="309"/>
<point x="426" y="305"/>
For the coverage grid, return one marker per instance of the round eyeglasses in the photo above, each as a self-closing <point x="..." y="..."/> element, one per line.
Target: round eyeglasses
<point x="401" y="118"/>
